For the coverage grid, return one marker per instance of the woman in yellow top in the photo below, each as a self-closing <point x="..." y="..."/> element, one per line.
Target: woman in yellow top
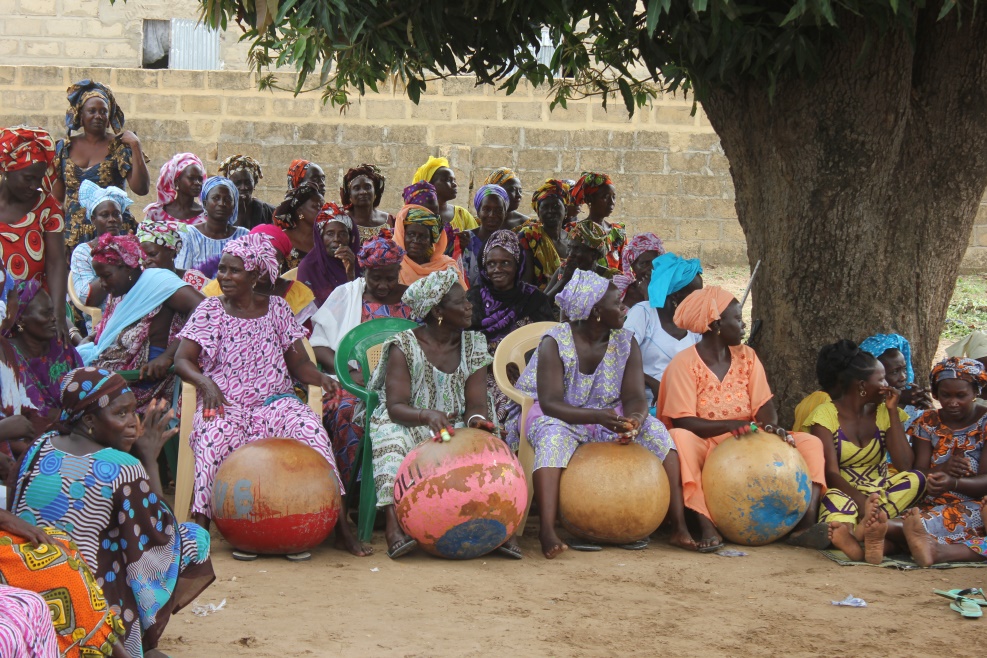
<point x="859" y="428"/>
<point x="437" y="172"/>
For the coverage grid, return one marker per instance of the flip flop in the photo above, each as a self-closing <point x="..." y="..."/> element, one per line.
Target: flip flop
<point x="816" y="537"/>
<point x="968" y="609"/>
<point x="304" y="556"/>
<point x="585" y="547"/>
<point x="966" y="594"/>
<point x="638" y="545"/>
<point x="402" y="549"/>
<point x="711" y="549"/>
<point x="510" y="551"/>
<point x="244" y="556"/>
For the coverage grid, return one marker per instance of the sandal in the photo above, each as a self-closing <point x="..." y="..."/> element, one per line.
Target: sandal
<point x="401" y="549"/>
<point x="244" y="556"/>
<point x="304" y="556"/>
<point x="584" y="547"/>
<point x="968" y="609"/>
<point x="638" y="545"/>
<point x="712" y="548"/>
<point x="970" y="594"/>
<point x="513" y="552"/>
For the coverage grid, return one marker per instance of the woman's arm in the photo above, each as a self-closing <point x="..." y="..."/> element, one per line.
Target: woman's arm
<point x="57" y="281"/>
<point x="551" y="393"/>
<point x="476" y="395"/>
<point x="302" y="369"/>
<point x="397" y="384"/>
<point x="138" y="178"/>
<point x="185" y="300"/>
<point x="528" y="273"/>
<point x="707" y="429"/>
<point x="654" y="385"/>
<point x="834" y="477"/>
<point x="187" y="367"/>
<point x="154" y="434"/>
<point x="632" y="395"/>
<point x="326" y="357"/>
<point x="902" y="456"/>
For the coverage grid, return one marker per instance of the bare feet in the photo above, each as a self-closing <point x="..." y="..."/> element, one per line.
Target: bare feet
<point x="920" y="543"/>
<point x="681" y="538"/>
<point x="346" y="540"/>
<point x="842" y="538"/>
<point x="873" y="501"/>
<point x="551" y="545"/>
<point x="875" y="528"/>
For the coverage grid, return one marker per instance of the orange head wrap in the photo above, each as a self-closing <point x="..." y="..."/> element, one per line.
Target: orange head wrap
<point x="702" y="308"/>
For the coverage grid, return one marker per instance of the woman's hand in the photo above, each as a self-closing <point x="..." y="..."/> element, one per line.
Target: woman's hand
<point x="891" y="398"/>
<point x="916" y="396"/>
<point x="17" y="427"/>
<point x="153" y="431"/>
<point x="212" y="397"/>
<point x="157" y="369"/>
<point x="436" y="421"/>
<point x="329" y="386"/>
<point x="346" y="255"/>
<point x="356" y="374"/>
<point x="782" y="433"/>
<point x="15" y="525"/>
<point x="956" y="466"/>
<point x="613" y="421"/>
<point x="129" y="139"/>
<point x="939" y="483"/>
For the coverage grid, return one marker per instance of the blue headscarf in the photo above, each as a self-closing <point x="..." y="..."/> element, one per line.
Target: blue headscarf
<point x="487" y="190"/>
<point x="878" y="344"/>
<point x="91" y="195"/>
<point x="211" y="183"/>
<point x="670" y="273"/>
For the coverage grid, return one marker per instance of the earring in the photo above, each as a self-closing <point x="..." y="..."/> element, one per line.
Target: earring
<point x="863" y="393"/>
<point x="90" y="430"/>
<point x="440" y="320"/>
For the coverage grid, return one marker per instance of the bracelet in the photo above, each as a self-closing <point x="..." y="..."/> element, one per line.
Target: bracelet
<point x="480" y="416"/>
<point x="419" y="416"/>
<point x="957" y="485"/>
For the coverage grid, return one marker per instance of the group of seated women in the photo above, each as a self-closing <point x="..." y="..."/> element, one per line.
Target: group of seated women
<point x="221" y="289"/>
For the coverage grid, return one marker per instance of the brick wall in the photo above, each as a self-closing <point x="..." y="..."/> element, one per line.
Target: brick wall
<point x="671" y="175"/>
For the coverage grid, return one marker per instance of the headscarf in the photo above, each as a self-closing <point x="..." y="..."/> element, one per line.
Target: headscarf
<point x="257" y="254"/>
<point x="286" y="215"/>
<point x="26" y="292"/>
<point x="639" y="244"/>
<point x="170" y="171"/>
<point x="424" y="294"/>
<point x="87" y="390"/>
<point x="92" y="195"/>
<point x="490" y="190"/>
<point x="372" y="172"/>
<point x="118" y="250"/>
<point x="82" y="91"/>
<point x="552" y="187"/>
<point x="279" y="239"/>
<point x="878" y="344"/>
<point x="426" y="218"/>
<point x="214" y="182"/>
<point x="418" y="194"/>
<point x="23" y="146"/>
<point x="973" y="346"/>
<point x="500" y="308"/>
<point x="412" y="271"/>
<point x="588" y="185"/>
<point x="380" y="252"/>
<point x="953" y="367"/>
<point x="589" y="233"/>
<point x="427" y="170"/>
<point x="296" y="172"/>
<point x="501" y="176"/>
<point x="581" y="294"/>
<point x="235" y="163"/>
<point x="320" y="270"/>
<point x="669" y="274"/>
<point x="702" y="308"/>
<point x="163" y="233"/>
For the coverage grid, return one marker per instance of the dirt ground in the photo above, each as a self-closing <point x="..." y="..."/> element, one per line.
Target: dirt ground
<point x="660" y="601"/>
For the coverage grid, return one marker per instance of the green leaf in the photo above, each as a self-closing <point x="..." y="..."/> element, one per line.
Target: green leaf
<point x="625" y="91"/>
<point x="654" y="13"/>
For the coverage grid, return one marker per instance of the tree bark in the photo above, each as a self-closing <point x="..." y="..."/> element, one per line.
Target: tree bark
<point x="858" y="191"/>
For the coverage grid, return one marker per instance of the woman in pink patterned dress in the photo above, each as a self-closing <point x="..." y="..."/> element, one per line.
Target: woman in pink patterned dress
<point x="241" y="351"/>
<point x="179" y="184"/>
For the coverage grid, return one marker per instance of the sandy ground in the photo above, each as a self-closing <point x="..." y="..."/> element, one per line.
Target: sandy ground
<point x="774" y="602"/>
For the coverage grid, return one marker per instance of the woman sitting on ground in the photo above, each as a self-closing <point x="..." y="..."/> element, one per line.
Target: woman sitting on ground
<point x="143" y="315"/>
<point x="104" y="208"/>
<point x="490" y="202"/>
<point x="204" y="242"/>
<point x="332" y="260"/>
<point x="715" y="390"/>
<point x="664" y="286"/>
<point x="429" y="379"/>
<point x="859" y="430"/>
<point x="296" y="217"/>
<point x="544" y="242"/>
<point x="106" y="464"/>
<point x="419" y="232"/>
<point x="179" y="186"/>
<point x="588" y="383"/>
<point x="360" y="195"/>
<point x="303" y="172"/>
<point x="895" y="354"/>
<point x="161" y="242"/>
<point x="511" y="184"/>
<point x="241" y="351"/>
<point x="587" y="241"/>
<point x="377" y="294"/>
<point x="437" y="172"/>
<point x="636" y="265"/>
<point x="245" y="173"/>
<point x="597" y="191"/>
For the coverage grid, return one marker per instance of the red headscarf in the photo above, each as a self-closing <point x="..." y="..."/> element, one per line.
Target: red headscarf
<point x="23" y="146"/>
<point x="588" y="185"/>
<point x="296" y="172"/>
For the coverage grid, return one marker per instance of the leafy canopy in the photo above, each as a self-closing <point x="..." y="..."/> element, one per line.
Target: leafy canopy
<point x="636" y="49"/>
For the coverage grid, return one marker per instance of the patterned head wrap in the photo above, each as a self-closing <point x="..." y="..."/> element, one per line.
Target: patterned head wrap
<point x="878" y="344"/>
<point x="235" y="163"/>
<point x="490" y="190"/>
<point x="286" y="215"/>
<point x="425" y="294"/>
<point x="118" y="250"/>
<point x="165" y="233"/>
<point x="954" y="367"/>
<point x="973" y="346"/>
<point x="670" y="274"/>
<point x="702" y="308"/>
<point x="639" y="244"/>
<point x="428" y="219"/>
<point x="82" y="91"/>
<point x="419" y="194"/>
<point x="170" y="171"/>
<point x="26" y="292"/>
<point x="296" y="172"/>
<point x="427" y="170"/>
<point x="87" y="390"/>
<point x="332" y="213"/>
<point x="506" y="240"/>
<point x="23" y="146"/>
<point x="372" y="172"/>
<point x="588" y="185"/>
<point x="581" y="294"/>
<point x="501" y="176"/>
<point x="589" y="233"/>
<point x="380" y="252"/>
<point x="213" y="183"/>
<point x="279" y="239"/>
<point x="92" y="195"/>
<point x="551" y="188"/>
<point x="257" y="254"/>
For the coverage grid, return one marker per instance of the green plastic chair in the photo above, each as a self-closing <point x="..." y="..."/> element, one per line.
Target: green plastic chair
<point x="359" y="345"/>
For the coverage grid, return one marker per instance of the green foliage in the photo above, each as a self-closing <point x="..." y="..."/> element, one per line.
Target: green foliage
<point x="634" y="50"/>
<point x="968" y="307"/>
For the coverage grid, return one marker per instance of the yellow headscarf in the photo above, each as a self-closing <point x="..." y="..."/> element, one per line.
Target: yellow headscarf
<point x="427" y="170"/>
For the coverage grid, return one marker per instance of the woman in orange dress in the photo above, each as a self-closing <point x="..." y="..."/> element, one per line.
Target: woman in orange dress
<point x="714" y="390"/>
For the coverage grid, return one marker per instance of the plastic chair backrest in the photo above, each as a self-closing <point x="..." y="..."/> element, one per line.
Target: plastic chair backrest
<point x="93" y="311"/>
<point x="291" y="275"/>
<point x="364" y="344"/>
<point x="513" y="349"/>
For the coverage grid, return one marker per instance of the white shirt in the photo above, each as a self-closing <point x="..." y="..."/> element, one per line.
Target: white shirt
<point x="657" y="346"/>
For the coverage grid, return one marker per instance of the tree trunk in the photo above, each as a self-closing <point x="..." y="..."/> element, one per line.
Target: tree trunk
<point x="858" y="192"/>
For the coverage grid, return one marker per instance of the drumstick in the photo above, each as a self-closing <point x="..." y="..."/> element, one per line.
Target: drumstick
<point x="750" y="283"/>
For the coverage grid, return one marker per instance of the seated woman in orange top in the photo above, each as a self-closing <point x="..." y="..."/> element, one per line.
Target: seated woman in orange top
<point x="715" y="389"/>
